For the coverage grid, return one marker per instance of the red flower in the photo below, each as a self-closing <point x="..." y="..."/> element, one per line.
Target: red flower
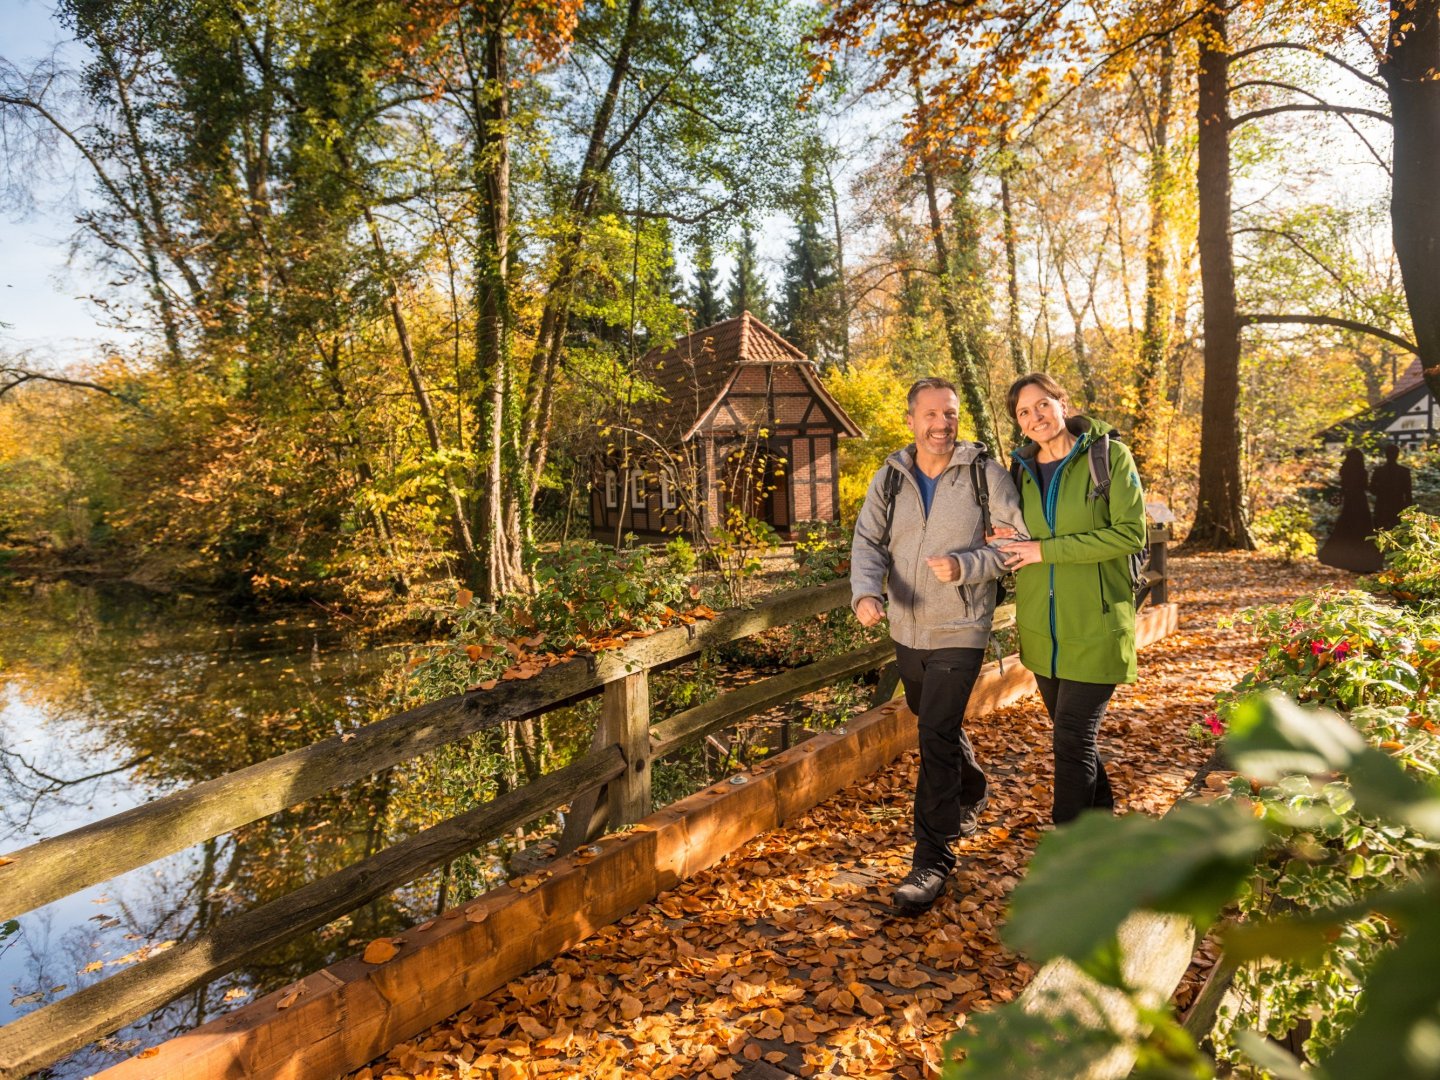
<point x="1341" y="650"/>
<point x="1316" y="648"/>
<point x="1214" y="723"/>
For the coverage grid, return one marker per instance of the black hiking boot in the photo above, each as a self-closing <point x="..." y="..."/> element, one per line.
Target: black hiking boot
<point x="970" y="816"/>
<point x="920" y="889"/>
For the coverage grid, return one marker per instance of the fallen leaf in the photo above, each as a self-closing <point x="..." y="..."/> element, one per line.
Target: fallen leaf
<point x="290" y="998"/>
<point x="380" y="951"/>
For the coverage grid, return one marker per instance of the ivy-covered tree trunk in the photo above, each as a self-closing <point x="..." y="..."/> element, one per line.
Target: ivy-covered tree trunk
<point x="498" y="569"/>
<point x="1220" y="501"/>
<point x="1012" y="277"/>
<point x="974" y="388"/>
<point x="1412" y="75"/>
<point x="1155" y="336"/>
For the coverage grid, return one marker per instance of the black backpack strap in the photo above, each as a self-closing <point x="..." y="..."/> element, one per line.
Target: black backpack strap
<point x="889" y="490"/>
<point x="981" y="483"/>
<point x="1099" y="459"/>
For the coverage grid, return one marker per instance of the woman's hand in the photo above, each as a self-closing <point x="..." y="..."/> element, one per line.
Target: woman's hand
<point x="1000" y="532"/>
<point x="1022" y="553"/>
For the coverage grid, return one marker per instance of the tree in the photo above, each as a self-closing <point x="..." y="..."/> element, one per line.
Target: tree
<point x="1410" y="66"/>
<point x="704" y="298"/>
<point x="747" y="291"/>
<point x="811" y="310"/>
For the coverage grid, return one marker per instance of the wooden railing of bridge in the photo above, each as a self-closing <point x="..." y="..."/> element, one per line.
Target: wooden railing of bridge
<point x="608" y="787"/>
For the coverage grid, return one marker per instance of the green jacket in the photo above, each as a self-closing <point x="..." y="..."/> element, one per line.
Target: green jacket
<point x="1075" y="610"/>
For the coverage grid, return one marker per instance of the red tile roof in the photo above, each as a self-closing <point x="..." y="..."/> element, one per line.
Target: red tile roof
<point x="694" y="372"/>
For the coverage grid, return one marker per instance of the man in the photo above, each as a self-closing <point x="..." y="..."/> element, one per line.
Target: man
<point x="921" y="534"/>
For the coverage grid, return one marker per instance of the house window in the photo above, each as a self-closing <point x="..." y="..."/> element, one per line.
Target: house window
<point x="611" y="490"/>
<point x="637" y="487"/>
<point x="667" y="492"/>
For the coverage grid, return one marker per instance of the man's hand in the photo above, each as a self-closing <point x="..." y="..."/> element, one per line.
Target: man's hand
<point x="1000" y="532"/>
<point x="946" y="568"/>
<point x="869" y="611"/>
<point x="1022" y="553"/>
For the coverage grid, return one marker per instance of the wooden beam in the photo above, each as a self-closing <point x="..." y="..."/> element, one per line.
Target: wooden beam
<point x="353" y="1012"/>
<point x="46" y="1035"/>
<point x="65" y="864"/>
<point x="685" y="727"/>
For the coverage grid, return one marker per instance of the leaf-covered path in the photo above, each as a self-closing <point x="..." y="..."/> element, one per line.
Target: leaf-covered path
<point x="784" y="958"/>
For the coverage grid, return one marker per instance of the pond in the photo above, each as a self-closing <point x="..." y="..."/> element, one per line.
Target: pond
<point x="111" y="697"/>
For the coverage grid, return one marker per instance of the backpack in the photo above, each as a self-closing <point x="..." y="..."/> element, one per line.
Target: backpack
<point x="1098" y="458"/>
<point x="979" y="483"/>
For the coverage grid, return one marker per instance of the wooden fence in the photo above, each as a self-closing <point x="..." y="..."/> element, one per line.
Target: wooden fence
<point x="607" y="788"/>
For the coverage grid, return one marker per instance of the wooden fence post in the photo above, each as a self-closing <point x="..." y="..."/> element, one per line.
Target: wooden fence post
<point x="625" y="721"/>
<point x="1159" y="563"/>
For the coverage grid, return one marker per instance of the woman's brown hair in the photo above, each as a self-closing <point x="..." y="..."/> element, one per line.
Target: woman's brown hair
<point x="1044" y="382"/>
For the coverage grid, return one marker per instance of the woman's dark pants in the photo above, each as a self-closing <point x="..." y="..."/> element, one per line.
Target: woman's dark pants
<point x="937" y="689"/>
<point x="1076" y="709"/>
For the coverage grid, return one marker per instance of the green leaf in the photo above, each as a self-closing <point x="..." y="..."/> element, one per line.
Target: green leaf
<point x="1278" y="1062"/>
<point x="1190" y="862"/>
<point x="1398" y="1033"/>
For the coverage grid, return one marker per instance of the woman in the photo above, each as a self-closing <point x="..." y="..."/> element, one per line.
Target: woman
<point x="1350" y="546"/>
<point x="1074" y="599"/>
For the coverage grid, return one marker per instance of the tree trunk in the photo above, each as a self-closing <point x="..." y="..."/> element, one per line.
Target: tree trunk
<point x="1155" y="337"/>
<point x="1409" y="71"/>
<point x="460" y="524"/>
<point x="1012" y="277"/>
<point x="1220" y="510"/>
<point x="499" y="569"/>
<point x="840" y="281"/>
<point x="974" y="391"/>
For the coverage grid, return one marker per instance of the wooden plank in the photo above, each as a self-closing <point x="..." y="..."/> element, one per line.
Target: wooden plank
<point x="625" y="721"/>
<point x="736" y="705"/>
<point x="46" y="1035"/>
<point x="61" y="865"/>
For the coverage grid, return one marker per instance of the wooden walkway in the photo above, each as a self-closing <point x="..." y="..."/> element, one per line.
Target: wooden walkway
<point x="785" y="960"/>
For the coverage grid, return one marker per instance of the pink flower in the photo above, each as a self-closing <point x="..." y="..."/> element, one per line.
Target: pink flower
<point x="1316" y="648"/>
<point x="1214" y="723"/>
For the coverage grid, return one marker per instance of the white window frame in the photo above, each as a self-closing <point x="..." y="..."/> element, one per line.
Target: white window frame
<point x="667" y="492"/>
<point x="612" y="493"/>
<point x="637" y="487"/>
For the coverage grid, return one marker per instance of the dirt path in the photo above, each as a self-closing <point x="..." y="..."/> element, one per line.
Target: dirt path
<point x="784" y="959"/>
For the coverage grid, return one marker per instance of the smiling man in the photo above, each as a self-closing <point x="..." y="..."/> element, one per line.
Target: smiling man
<point x="919" y="559"/>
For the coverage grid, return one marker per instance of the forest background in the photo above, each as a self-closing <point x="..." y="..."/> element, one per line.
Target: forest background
<point x="387" y="270"/>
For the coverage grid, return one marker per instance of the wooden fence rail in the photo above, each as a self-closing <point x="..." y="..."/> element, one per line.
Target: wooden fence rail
<point x="608" y="787"/>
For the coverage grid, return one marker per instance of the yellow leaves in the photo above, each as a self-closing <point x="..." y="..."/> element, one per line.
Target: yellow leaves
<point x="289" y="999"/>
<point x="476" y="915"/>
<point x="463" y="598"/>
<point x="381" y="950"/>
<point x="149" y="1052"/>
<point x="630" y="1007"/>
<point x="5" y="860"/>
<point x="92" y="967"/>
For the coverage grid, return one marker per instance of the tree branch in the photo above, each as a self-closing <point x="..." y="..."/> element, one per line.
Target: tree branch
<point x="1369" y="80"/>
<point x="1334" y="110"/>
<point x="1329" y="320"/>
<point x="12" y="377"/>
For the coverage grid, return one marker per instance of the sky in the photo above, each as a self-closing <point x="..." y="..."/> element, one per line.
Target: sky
<point x="40" y="295"/>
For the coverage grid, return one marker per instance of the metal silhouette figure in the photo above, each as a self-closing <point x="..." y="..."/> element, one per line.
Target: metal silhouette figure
<point x="1390" y="484"/>
<point x="1350" y="546"/>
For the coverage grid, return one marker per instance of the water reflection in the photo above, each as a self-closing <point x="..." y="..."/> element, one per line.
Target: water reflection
<point x="110" y="698"/>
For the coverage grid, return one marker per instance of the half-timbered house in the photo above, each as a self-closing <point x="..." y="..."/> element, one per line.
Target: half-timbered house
<point x="1407" y="416"/>
<point x="742" y="421"/>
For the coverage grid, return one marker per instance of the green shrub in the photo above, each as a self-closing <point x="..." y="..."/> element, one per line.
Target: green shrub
<point x="1285" y="532"/>
<point x="1412" y="559"/>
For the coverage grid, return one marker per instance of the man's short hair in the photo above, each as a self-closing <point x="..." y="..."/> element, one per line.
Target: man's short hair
<point x="927" y="384"/>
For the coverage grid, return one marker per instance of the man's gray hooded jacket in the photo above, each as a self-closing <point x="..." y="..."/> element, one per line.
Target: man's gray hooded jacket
<point x="925" y="613"/>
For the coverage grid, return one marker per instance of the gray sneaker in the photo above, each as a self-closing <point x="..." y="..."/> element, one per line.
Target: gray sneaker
<point x="921" y="887"/>
<point x="970" y="816"/>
